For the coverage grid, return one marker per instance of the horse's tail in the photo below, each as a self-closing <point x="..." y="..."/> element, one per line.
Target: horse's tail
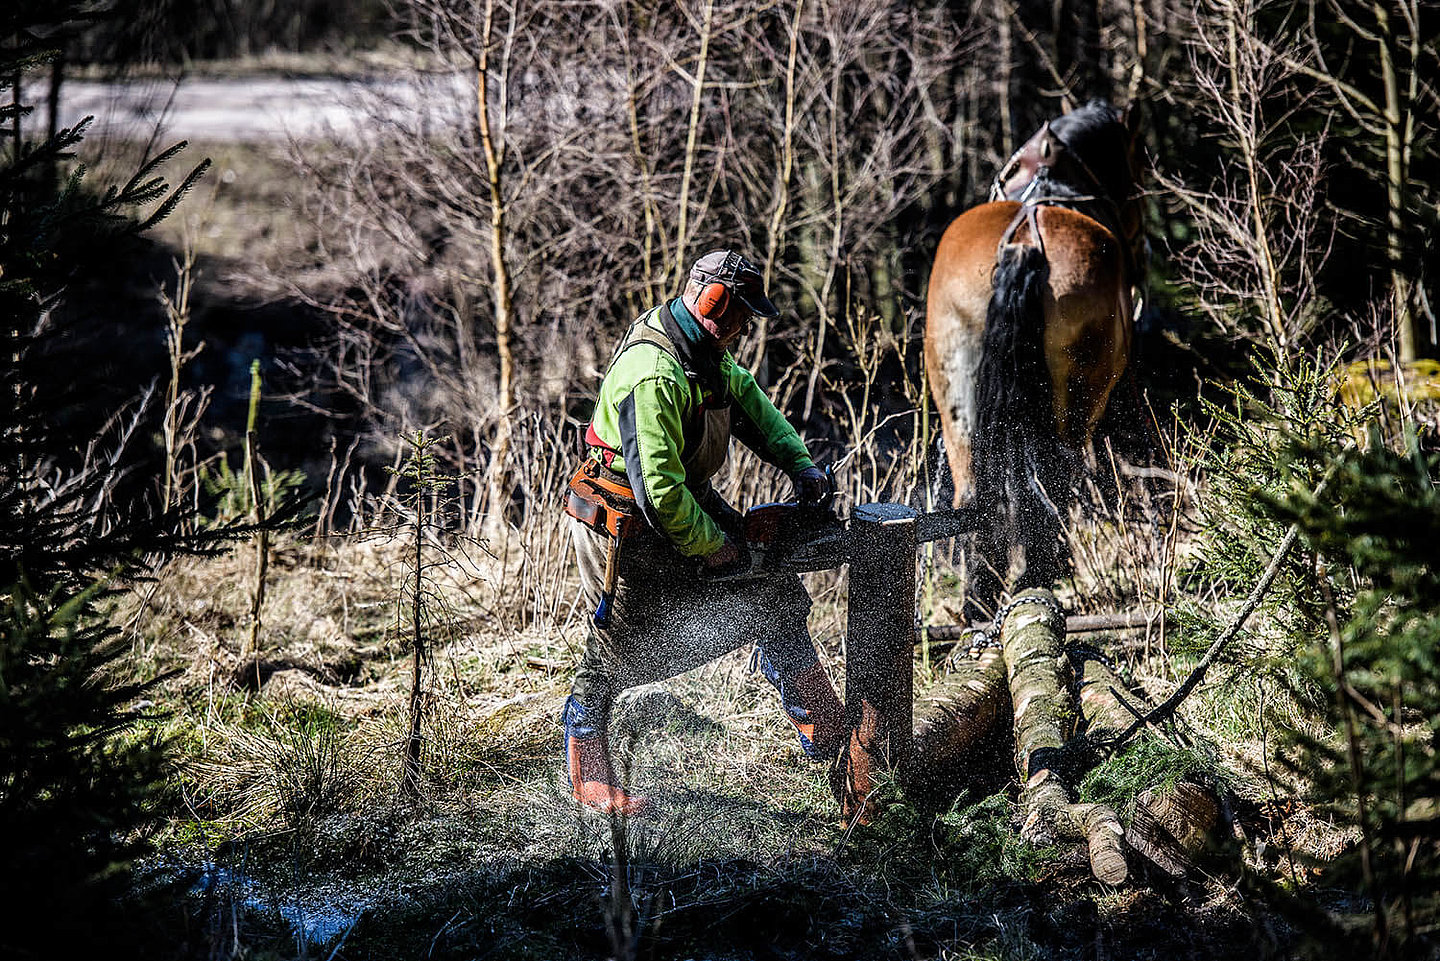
<point x="1014" y="418"/>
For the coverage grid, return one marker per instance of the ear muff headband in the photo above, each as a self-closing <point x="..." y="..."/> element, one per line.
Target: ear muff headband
<point x="714" y="297"/>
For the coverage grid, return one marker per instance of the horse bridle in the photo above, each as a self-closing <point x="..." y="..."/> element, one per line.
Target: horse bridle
<point x="997" y="186"/>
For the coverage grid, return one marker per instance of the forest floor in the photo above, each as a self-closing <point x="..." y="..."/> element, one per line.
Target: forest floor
<point x="286" y="833"/>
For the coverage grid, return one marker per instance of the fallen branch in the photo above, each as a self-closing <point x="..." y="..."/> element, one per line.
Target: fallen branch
<point x="1167" y="709"/>
<point x="1074" y="624"/>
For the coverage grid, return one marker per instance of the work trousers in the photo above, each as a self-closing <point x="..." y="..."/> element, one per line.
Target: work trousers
<point x="667" y="618"/>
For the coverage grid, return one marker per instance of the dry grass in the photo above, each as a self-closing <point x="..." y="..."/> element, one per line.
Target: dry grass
<point x="305" y="769"/>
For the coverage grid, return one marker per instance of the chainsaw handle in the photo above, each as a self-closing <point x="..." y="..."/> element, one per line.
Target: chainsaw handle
<point x="736" y="560"/>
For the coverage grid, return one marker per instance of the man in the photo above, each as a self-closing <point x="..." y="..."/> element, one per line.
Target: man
<point x="669" y="404"/>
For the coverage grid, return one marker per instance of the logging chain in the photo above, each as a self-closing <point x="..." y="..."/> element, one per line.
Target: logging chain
<point x="987" y="638"/>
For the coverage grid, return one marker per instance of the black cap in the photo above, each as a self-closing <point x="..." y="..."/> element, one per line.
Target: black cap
<point x="739" y="275"/>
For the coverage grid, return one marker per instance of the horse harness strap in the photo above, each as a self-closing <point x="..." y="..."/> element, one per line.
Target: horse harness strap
<point x="1043" y="154"/>
<point x="1027" y="214"/>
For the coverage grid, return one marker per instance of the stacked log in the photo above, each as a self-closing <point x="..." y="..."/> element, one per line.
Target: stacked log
<point x="961" y="724"/>
<point x="1063" y="705"/>
<point x="1169" y="826"/>
<point x="1104" y="713"/>
<point x="1041" y="688"/>
<point x="1038" y="675"/>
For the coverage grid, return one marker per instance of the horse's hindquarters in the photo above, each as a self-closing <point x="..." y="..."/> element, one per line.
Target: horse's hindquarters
<point x="958" y="297"/>
<point x="1087" y="320"/>
<point x="1058" y="339"/>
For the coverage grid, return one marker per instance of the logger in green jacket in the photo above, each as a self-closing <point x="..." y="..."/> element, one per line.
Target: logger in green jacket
<point x="669" y="404"/>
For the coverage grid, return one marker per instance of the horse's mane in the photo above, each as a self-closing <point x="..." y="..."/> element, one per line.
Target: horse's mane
<point x="1096" y="133"/>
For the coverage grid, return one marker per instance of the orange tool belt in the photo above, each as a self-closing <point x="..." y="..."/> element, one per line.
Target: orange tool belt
<point x="601" y="501"/>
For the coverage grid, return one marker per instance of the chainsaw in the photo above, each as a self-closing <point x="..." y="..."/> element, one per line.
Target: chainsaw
<point x="799" y="536"/>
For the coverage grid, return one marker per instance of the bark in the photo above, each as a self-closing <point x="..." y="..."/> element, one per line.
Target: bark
<point x="1041" y="689"/>
<point x="1105" y="715"/>
<point x="959" y="728"/>
<point x="1031" y="638"/>
<point x="1169" y="827"/>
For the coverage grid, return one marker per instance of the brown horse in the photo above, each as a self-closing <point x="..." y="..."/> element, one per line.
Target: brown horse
<point x="1028" y="322"/>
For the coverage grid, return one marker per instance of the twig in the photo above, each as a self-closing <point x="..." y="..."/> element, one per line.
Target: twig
<point x="433" y="941"/>
<point x="855" y="448"/>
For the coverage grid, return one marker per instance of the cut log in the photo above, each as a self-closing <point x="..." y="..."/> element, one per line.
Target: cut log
<point x="1170" y="827"/>
<point x="1038" y="671"/>
<point x="1187" y="811"/>
<point x="961" y="723"/>
<point x="1042" y="693"/>
<point x="1101" y="709"/>
<point x="1152" y="842"/>
<point x="1074" y="624"/>
<point x="1102" y="831"/>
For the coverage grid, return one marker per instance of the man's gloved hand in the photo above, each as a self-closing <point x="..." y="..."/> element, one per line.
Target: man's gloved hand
<point x="731" y="558"/>
<point x="812" y="486"/>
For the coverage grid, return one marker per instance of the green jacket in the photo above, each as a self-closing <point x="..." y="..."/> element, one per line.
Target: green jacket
<point x="662" y="404"/>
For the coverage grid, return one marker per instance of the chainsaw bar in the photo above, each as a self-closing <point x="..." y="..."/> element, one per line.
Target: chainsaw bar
<point x="795" y="537"/>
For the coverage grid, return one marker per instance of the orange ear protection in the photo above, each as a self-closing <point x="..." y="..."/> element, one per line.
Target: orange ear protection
<point x="714" y="297"/>
<point x="713" y="300"/>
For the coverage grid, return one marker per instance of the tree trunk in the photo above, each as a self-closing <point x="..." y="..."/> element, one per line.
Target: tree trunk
<point x="692" y="133"/>
<point x="879" y="638"/>
<point x="1101" y="689"/>
<point x="1035" y="664"/>
<point x="1398" y="140"/>
<point x="493" y="148"/>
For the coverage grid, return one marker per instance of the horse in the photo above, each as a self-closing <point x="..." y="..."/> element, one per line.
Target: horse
<point x="1027" y="332"/>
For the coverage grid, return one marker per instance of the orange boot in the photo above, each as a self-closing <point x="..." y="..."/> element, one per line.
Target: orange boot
<point x="592" y="777"/>
<point x="811" y="705"/>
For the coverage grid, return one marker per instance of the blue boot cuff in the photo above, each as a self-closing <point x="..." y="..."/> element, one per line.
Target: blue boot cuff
<point x="580" y="722"/>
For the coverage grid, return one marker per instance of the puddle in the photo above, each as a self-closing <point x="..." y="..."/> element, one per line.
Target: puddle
<point x="318" y="916"/>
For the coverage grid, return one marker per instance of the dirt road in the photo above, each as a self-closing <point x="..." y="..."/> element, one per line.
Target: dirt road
<point x="248" y="109"/>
